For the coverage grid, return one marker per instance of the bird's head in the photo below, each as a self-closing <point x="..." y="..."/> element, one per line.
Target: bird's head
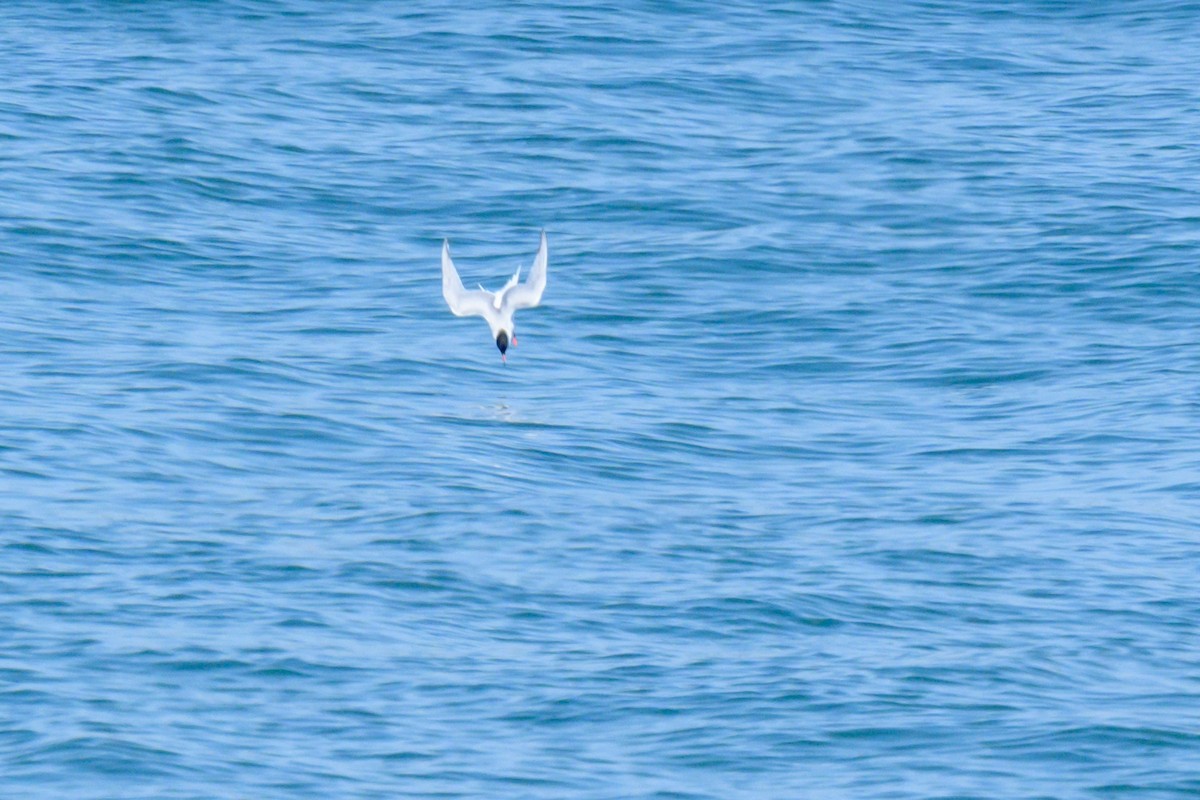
<point x="502" y="341"/>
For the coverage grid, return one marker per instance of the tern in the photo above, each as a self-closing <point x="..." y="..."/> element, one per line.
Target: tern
<point x="495" y="307"/>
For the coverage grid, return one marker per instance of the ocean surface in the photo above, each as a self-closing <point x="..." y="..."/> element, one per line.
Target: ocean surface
<point x="853" y="453"/>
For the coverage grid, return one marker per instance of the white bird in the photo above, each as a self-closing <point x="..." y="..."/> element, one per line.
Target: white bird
<point x="495" y="307"/>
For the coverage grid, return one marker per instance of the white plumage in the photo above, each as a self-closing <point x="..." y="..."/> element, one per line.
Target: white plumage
<point x="496" y="308"/>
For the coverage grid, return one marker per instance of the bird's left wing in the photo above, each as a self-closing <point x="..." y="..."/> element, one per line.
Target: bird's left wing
<point x="463" y="302"/>
<point x="529" y="293"/>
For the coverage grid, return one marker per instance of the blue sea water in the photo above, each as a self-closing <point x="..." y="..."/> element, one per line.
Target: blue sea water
<point x="854" y="451"/>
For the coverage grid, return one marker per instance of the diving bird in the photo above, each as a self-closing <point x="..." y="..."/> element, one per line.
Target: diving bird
<point x="495" y="307"/>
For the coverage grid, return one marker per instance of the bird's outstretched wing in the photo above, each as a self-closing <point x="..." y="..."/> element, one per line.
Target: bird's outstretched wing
<point x="529" y="293"/>
<point x="463" y="302"/>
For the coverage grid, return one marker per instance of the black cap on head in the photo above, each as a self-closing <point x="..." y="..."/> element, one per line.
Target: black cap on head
<point x="502" y="342"/>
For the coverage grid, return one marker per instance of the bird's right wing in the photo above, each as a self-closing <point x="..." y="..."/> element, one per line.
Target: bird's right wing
<point x="529" y="293"/>
<point x="463" y="302"/>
